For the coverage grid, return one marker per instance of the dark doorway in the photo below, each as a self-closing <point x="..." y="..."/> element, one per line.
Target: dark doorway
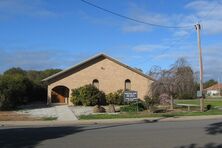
<point x="59" y="94"/>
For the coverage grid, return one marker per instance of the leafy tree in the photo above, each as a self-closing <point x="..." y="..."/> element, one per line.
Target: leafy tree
<point x="15" y="71"/>
<point x="18" y="86"/>
<point x="14" y="90"/>
<point x="210" y="83"/>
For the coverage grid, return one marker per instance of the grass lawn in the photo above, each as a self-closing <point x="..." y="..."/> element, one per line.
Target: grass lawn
<point x="211" y="101"/>
<point x="146" y="115"/>
<point x="215" y="102"/>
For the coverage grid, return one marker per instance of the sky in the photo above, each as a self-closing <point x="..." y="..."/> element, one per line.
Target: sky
<point x="42" y="34"/>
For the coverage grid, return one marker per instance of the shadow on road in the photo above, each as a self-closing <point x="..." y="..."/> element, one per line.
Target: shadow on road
<point x="208" y="145"/>
<point x="214" y="128"/>
<point x="30" y="137"/>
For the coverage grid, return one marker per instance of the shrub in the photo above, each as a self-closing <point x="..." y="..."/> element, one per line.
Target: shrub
<point x="149" y="102"/>
<point x="115" y="98"/>
<point x="14" y="91"/>
<point x="164" y="99"/>
<point x="132" y="107"/>
<point x="88" y="95"/>
<point x="209" y="107"/>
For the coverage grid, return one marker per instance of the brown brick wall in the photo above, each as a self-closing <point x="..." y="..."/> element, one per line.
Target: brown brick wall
<point x="111" y="77"/>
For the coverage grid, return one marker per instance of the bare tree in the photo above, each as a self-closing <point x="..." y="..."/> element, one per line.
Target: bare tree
<point x="165" y="84"/>
<point x="178" y="81"/>
<point x="184" y="79"/>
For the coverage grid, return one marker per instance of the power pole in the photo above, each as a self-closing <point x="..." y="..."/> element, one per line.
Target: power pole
<point x="198" y="28"/>
<point x="218" y="82"/>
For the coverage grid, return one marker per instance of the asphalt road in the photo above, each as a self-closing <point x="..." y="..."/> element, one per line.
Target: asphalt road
<point x="180" y="134"/>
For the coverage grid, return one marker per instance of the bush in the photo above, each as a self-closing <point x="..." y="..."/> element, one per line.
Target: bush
<point x="149" y="102"/>
<point x="132" y="107"/>
<point x="115" y="98"/>
<point x="14" y="91"/>
<point x="209" y="107"/>
<point x="88" y="95"/>
<point x="164" y="99"/>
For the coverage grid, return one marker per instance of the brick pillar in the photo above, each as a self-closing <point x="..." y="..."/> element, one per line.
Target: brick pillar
<point x="49" y="100"/>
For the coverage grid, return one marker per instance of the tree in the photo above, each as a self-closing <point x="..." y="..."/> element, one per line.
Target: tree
<point x="210" y="83"/>
<point x="164" y="85"/>
<point x="15" y="71"/>
<point x="18" y="86"/>
<point x="184" y="79"/>
<point x="178" y="81"/>
<point x="14" y="91"/>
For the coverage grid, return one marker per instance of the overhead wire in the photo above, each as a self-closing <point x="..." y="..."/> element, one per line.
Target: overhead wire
<point x="176" y="42"/>
<point x="210" y="11"/>
<point x="134" y="19"/>
<point x="150" y="24"/>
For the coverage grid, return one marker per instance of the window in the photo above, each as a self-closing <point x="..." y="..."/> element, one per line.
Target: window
<point x="127" y="84"/>
<point x="96" y="83"/>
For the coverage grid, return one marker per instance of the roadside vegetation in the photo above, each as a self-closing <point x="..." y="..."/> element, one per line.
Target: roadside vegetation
<point x="149" y="115"/>
<point x="172" y="94"/>
<point x="19" y="87"/>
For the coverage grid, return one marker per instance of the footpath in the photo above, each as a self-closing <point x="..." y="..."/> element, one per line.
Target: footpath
<point x="106" y="121"/>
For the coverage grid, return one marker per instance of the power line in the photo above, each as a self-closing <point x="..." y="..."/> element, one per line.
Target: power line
<point x="210" y="11"/>
<point x="173" y="44"/>
<point x="133" y="19"/>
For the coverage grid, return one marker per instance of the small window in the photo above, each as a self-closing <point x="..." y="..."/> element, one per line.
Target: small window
<point x="96" y="83"/>
<point x="127" y="84"/>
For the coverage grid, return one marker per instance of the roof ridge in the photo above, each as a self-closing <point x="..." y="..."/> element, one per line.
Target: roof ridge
<point x="94" y="57"/>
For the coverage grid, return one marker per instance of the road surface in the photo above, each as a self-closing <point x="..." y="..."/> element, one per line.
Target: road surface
<point x="180" y="134"/>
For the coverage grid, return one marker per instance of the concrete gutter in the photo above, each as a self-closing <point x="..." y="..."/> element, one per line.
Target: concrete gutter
<point x="105" y="121"/>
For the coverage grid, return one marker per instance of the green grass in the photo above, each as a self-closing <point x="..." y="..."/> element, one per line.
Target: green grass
<point x="213" y="102"/>
<point x="147" y="115"/>
<point x="49" y="118"/>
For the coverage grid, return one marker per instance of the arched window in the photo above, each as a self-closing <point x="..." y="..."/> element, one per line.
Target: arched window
<point x="96" y="83"/>
<point x="127" y="84"/>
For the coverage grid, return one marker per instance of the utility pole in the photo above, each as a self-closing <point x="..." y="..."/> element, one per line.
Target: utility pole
<point x="218" y="82"/>
<point x="198" y="28"/>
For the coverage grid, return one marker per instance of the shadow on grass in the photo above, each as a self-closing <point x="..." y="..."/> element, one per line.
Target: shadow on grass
<point x="214" y="128"/>
<point x="208" y="145"/>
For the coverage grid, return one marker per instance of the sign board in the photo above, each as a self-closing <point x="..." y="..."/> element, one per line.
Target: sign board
<point x="199" y="94"/>
<point x="130" y="96"/>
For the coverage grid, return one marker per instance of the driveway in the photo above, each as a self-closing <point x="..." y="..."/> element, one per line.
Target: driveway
<point x="40" y="110"/>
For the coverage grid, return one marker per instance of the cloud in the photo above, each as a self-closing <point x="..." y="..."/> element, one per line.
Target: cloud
<point x="148" y="47"/>
<point x="209" y="13"/>
<point x="211" y="58"/>
<point x="38" y="59"/>
<point x="142" y="14"/>
<point x="37" y="8"/>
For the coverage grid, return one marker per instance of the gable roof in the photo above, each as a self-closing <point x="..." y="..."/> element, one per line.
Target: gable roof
<point x="95" y="57"/>
<point x="214" y="87"/>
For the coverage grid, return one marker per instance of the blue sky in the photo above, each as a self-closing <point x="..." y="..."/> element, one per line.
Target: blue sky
<point x="41" y="34"/>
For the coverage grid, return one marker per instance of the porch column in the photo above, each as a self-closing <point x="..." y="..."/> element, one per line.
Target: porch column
<point x="49" y="100"/>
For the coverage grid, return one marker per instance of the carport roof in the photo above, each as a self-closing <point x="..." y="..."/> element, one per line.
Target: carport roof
<point x="95" y="57"/>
